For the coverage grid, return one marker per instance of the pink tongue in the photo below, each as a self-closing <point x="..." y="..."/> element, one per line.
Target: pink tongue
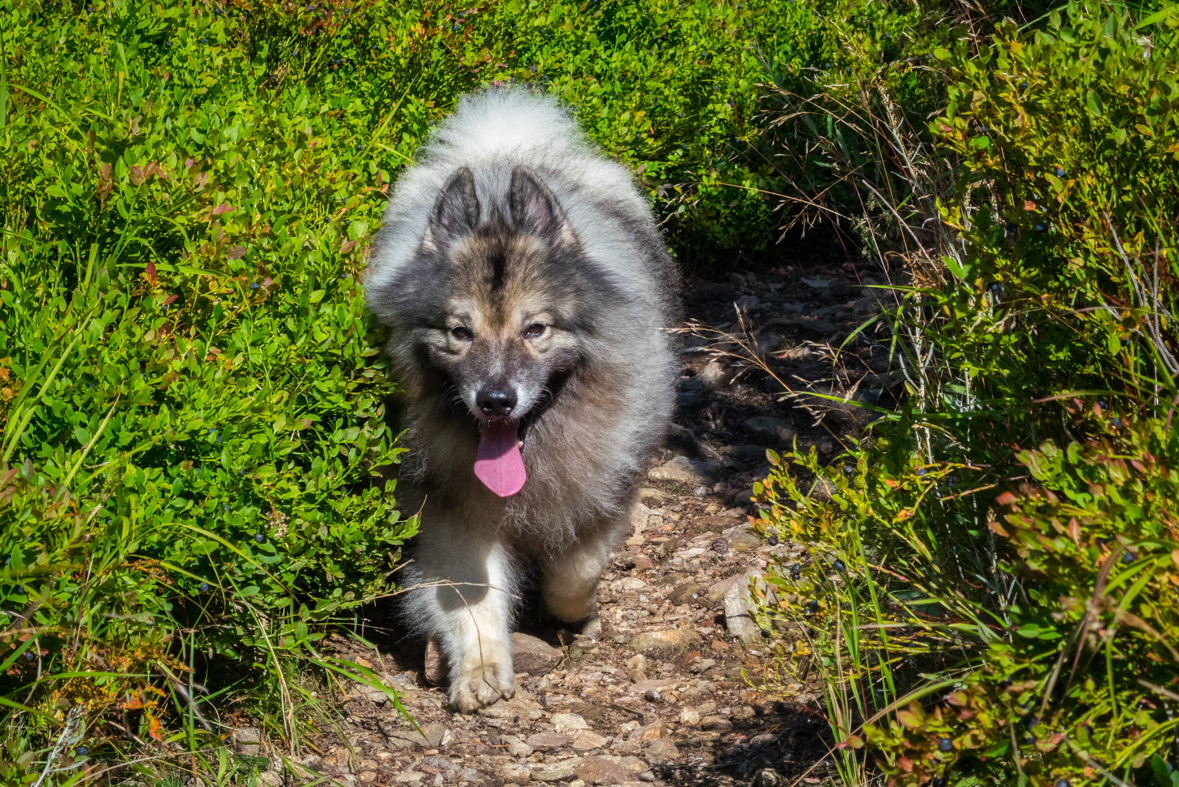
<point x="498" y="463"/>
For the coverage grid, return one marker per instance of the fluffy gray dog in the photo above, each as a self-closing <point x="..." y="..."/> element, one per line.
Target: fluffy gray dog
<point x="529" y="295"/>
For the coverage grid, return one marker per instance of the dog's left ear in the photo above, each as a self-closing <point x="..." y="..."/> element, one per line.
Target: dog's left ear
<point x="535" y="210"/>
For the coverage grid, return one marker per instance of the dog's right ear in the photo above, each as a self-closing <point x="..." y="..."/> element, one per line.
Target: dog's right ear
<point x="456" y="211"/>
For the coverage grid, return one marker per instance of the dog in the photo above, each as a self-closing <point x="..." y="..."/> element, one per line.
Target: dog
<point x="529" y="296"/>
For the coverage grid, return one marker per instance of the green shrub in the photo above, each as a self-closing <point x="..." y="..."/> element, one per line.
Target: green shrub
<point x="192" y="426"/>
<point x="981" y="613"/>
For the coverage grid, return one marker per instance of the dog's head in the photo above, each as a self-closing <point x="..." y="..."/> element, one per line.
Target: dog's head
<point x="510" y="313"/>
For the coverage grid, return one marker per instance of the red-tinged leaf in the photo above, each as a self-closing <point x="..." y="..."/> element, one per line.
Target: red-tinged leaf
<point x="137" y="175"/>
<point x="1005" y="499"/>
<point x="224" y="207"/>
<point x="1029" y="205"/>
<point x="347" y="246"/>
<point x="170" y="300"/>
<point x="235" y="252"/>
<point x="908" y="719"/>
<point x="150" y="271"/>
<point x="905" y="764"/>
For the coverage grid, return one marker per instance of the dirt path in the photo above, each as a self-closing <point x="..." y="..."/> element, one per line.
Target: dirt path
<point x="670" y="692"/>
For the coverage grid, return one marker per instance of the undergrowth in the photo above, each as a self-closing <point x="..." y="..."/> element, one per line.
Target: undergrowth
<point x="194" y="441"/>
<point x="990" y="595"/>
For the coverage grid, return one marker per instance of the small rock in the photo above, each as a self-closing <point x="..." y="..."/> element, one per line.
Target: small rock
<point x="598" y="770"/>
<point x="435" y="667"/>
<point x="687" y="593"/>
<point x="587" y="740"/>
<point x="717" y="723"/>
<point x="543" y="741"/>
<point x="747" y="302"/>
<point x="768" y="777"/>
<point x="650" y="732"/>
<point x="703" y="665"/>
<point x="717" y="592"/>
<point x="532" y="655"/>
<point x="764" y="739"/>
<point x="636" y="668"/>
<point x="712" y="375"/>
<point x="516" y="747"/>
<point x="271" y="779"/>
<point x="568" y="722"/>
<point x="777" y="430"/>
<point x="690" y="717"/>
<point x="249" y="740"/>
<point x="520" y="705"/>
<point x="513" y="773"/>
<point x="409" y="777"/>
<point x="738" y="605"/>
<point x="556" y="771"/>
<point x="661" y="750"/>
<point x="687" y="471"/>
<point x="630" y="583"/>
<point x="433" y="736"/>
<point x="746" y="541"/>
<point x="367" y="777"/>
<point x="671" y="639"/>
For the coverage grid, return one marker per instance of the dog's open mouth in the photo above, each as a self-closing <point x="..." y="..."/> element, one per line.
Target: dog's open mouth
<point x="498" y="463"/>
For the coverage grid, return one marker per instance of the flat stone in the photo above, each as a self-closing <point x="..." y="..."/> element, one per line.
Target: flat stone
<point x="636" y="668"/>
<point x="746" y="541"/>
<point x="670" y="639"/>
<point x="661" y="750"/>
<point x="716" y="723"/>
<point x="513" y="773"/>
<point x="688" y="593"/>
<point x="690" y="717"/>
<point x="779" y="431"/>
<point x="533" y="656"/>
<point x="687" y="471"/>
<point x="520" y="705"/>
<point x="543" y="741"/>
<point x="587" y="740"/>
<point x="433" y="736"/>
<point x="556" y="771"/>
<point x="567" y="723"/>
<point x="409" y="777"/>
<point x="249" y="740"/>
<point x="598" y="770"/>
<point x="739" y="604"/>
<point x="630" y="583"/>
<point x="717" y="592"/>
<point x="650" y="732"/>
<point x="516" y="747"/>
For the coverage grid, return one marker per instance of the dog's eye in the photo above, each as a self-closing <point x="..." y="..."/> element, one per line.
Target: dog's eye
<point x="534" y="331"/>
<point x="462" y="333"/>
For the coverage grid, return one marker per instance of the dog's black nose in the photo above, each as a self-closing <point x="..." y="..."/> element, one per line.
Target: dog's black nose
<point x="496" y="402"/>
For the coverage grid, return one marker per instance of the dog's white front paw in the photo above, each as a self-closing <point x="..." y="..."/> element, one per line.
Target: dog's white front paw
<point x="481" y="683"/>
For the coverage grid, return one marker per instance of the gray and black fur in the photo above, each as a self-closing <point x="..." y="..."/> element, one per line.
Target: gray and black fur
<point x="517" y="262"/>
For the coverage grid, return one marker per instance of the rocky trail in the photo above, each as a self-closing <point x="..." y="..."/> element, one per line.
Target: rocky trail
<point x="680" y="687"/>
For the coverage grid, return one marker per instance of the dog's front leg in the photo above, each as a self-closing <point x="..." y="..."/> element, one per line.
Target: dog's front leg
<point x="570" y="584"/>
<point x="467" y="606"/>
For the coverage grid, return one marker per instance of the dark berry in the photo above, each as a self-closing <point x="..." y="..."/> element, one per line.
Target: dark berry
<point x="259" y="537"/>
<point x="772" y="540"/>
<point x="204" y="587"/>
<point x="1060" y="783"/>
<point x="945" y="745"/>
<point x="838" y="564"/>
<point x="1059" y="172"/>
<point x="1127" y="558"/>
<point x="29" y="655"/>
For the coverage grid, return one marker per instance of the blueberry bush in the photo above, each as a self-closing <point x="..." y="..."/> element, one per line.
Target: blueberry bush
<point x="989" y="595"/>
<point x="194" y="442"/>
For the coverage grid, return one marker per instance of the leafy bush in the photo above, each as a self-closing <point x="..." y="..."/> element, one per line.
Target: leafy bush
<point x="192" y="411"/>
<point x="969" y="628"/>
